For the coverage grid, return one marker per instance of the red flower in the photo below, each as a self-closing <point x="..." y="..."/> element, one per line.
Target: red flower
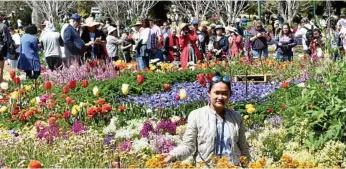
<point x="69" y="100"/>
<point x="34" y="164"/>
<point x="16" y="80"/>
<point x="98" y="109"/>
<point x="12" y="74"/>
<point x="48" y="85"/>
<point x="92" y="63"/>
<point x="52" y="120"/>
<point x="121" y="108"/>
<point x="270" y="110"/>
<point x="283" y="106"/>
<point x="116" y="68"/>
<point x="106" y="108"/>
<point x="140" y="79"/>
<point x="65" y="89"/>
<point x="72" y="84"/>
<point x="15" y="112"/>
<point x="166" y="86"/>
<point x="87" y="69"/>
<point x="177" y="97"/>
<point x="91" y="111"/>
<point x="85" y="83"/>
<point x="67" y="114"/>
<point x="100" y="101"/>
<point x="209" y="77"/>
<point x="285" y="84"/>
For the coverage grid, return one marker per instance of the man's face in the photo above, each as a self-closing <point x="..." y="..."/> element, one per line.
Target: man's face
<point x="258" y="26"/>
<point x="76" y="23"/>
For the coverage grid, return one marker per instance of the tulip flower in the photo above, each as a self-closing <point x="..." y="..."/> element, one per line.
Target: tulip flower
<point x="85" y="83"/>
<point x="4" y="85"/>
<point x="96" y="91"/>
<point x="251" y="110"/>
<point x="75" y="110"/>
<point x="3" y="109"/>
<point x="106" y="108"/>
<point x="15" y="95"/>
<point x="246" y="117"/>
<point x="28" y="87"/>
<point x="248" y="106"/>
<point x="285" y="84"/>
<point x="183" y="94"/>
<point x="166" y="86"/>
<point x="65" y="89"/>
<point x="48" y="85"/>
<point x="12" y="74"/>
<point x="16" y="81"/>
<point x="34" y="164"/>
<point x="140" y="79"/>
<point x="67" y="115"/>
<point x="125" y="89"/>
<point x="51" y="120"/>
<point x="72" y="84"/>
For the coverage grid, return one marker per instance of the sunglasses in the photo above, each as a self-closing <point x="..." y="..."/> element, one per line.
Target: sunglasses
<point x="217" y="79"/>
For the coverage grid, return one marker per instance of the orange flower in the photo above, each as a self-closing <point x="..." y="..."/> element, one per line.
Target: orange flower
<point x="51" y="105"/>
<point x="270" y="110"/>
<point x="285" y="84"/>
<point x="106" y="108"/>
<point x="91" y="112"/>
<point x="34" y="164"/>
<point x="98" y="109"/>
<point x="100" y="101"/>
<point x="243" y="159"/>
<point x="52" y="120"/>
<point x="29" y="113"/>
<point x="69" y="100"/>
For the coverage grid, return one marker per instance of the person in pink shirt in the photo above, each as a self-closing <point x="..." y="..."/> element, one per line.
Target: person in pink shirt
<point x="235" y="42"/>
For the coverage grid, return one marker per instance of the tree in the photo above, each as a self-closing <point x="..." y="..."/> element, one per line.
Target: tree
<point x="229" y="9"/>
<point x="138" y="9"/>
<point x="287" y="9"/>
<point x="197" y="7"/>
<point x="52" y="10"/>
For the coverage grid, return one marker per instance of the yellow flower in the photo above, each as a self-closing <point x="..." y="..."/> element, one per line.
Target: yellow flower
<point x="247" y="106"/>
<point x="82" y="104"/>
<point x="28" y="87"/>
<point x="251" y="110"/>
<point x="125" y="89"/>
<point x="246" y="117"/>
<point x="15" y="95"/>
<point x="75" y="110"/>
<point x="96" y="91"/>
<point x="152" y="67"/>
<point x="3" y="109"/>
<point x="183" y="94"/>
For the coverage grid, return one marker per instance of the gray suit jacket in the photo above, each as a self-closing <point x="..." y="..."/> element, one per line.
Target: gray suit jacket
<point x="200" y="136"/>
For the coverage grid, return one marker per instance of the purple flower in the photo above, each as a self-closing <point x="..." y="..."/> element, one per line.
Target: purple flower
<point x="146" y="129"/>
<point x="49" y="132"/>
<point x="161" y="144"/>
<point x="275" y="121"/>
<point x="108" y="139"/>
<point x="125" y="146"/>
<point x="78" y="127"/>
<point x="166" y="126"/>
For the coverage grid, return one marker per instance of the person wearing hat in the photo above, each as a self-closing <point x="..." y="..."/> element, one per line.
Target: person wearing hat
<point x="219" y="43"/>
<point x="96" y="36"/>
<point x="187" y="41"/>
<point x="74" y="45"/>
<point x="304" y="32"/>
<point x="135" y="37"/>
<point x="4" y="45"/>
<point x="113" y="43"/>
<point x="235" y="41"/>
<point x="259" y="38"/>
<point x="51" y="42"/>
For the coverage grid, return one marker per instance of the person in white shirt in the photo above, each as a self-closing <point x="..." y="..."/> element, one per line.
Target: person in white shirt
<point x="302" y="32"/>
<point x="144" y="45"/>
<point x="113" y="42"/>
<point x="51" y="42"/>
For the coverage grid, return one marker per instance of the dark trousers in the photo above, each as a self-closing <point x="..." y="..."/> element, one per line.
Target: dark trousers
<point x="53" y="62"/>
<point x="32" y="74"/>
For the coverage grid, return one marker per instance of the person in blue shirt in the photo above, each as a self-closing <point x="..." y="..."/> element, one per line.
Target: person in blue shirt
<point x="74" y="45"/>
<point x="29" y="61"/>
<point x="244" y="21"/>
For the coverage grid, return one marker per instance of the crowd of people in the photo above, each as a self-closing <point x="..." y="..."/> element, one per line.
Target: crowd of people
<point x="183" y="44"/>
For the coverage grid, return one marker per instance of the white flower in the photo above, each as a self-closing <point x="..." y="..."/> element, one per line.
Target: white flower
<point x="140" y="144"/>
<point x="181" y="130"/>
<point x="111" y="128"/>
<point x="175" y="119"/>
<point x="126" y="134"/>
<point x="4" y="85"/>
<point x="149" y="111"/>
<point x="301" y="84"/>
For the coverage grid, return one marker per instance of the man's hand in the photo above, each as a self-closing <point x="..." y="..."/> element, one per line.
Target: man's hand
<point x="168" y="158"/>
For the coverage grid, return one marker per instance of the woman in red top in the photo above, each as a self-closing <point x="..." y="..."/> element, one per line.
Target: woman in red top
<point x="187" y="41"/>
<point x="235" y="41"/>
<point x="172" y="46"/>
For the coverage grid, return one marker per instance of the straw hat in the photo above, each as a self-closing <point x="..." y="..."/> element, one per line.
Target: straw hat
<point x="111" y="29"/>
<point x="138" y="23"/>
<point x="204" y="23"/>
<point x="183" y="25"/>
<point x="89" y="22"/>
